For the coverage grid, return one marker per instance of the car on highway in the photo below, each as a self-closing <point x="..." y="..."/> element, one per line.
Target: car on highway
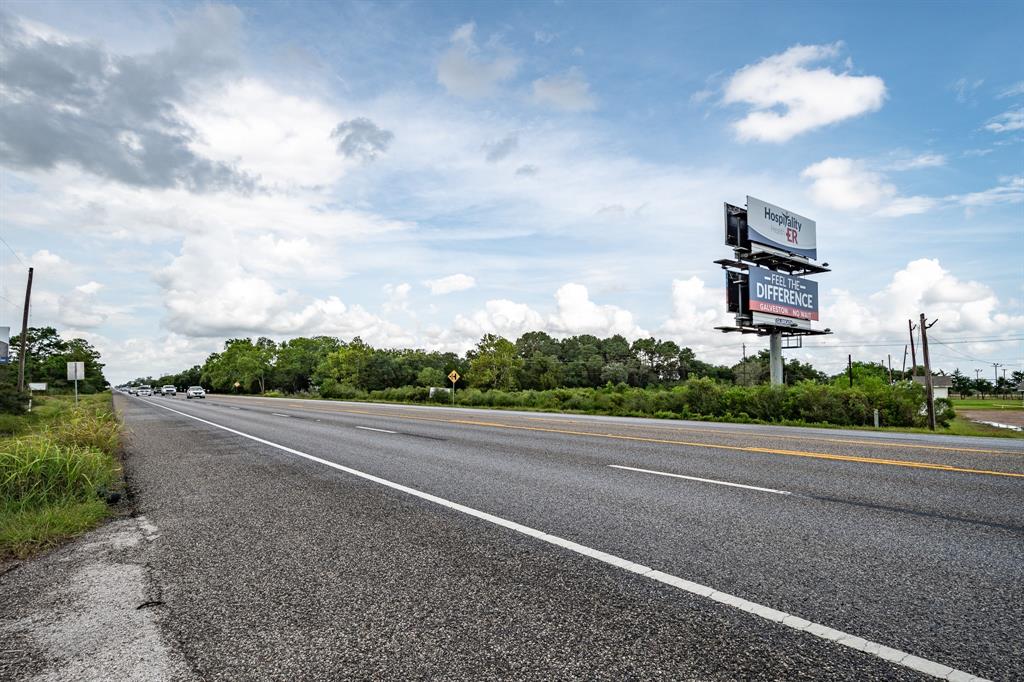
<point x="168" y="390"/>
<point x="143" y="391"/>
<point x="195" y="392"/>
<point x="132" y="390"/>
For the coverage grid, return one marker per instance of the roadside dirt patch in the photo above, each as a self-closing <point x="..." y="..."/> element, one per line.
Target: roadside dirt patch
<point x="1012" y="417"/>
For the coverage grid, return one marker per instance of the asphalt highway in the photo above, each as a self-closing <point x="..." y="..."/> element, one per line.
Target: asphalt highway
<point x="327" y="540"/>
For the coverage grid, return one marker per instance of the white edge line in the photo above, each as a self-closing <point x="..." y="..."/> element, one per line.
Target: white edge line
<point x="370" y="428"/>
<point x="896" y="656"/>
<point x="703" y="480"/>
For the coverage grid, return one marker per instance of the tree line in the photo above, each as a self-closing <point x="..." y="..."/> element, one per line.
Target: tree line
<point x="535" y="361"/>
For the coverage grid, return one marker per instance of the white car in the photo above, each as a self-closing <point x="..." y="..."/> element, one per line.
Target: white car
<point x="168" y="390"/>
<point x="195" y="392"/>
<point x="144" y="391"/>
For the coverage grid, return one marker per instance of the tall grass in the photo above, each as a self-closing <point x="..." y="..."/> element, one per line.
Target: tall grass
<point x="54" y="480"/>
<point x="37" y="470"/>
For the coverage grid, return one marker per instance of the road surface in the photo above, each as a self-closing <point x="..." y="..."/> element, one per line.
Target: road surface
<point x="324" y="539"/>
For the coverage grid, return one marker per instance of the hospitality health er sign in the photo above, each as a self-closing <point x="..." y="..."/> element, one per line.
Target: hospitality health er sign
<point x="776" y="227"/>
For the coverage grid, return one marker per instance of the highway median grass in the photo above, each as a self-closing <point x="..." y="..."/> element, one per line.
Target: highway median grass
<point x="58" y="468"/>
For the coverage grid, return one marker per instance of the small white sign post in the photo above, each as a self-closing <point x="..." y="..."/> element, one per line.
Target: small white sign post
<point x="76" y="371"/>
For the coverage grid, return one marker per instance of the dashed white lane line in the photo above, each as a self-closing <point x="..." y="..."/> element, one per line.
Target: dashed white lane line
<point x="370" y="428"/>
<point x="278" y="414"/>
<point x="702" y="480"/>
<point x="890" y="654"/>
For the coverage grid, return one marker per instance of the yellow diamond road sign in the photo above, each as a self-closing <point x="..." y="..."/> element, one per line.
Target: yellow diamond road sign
<point x="453" y="377"/>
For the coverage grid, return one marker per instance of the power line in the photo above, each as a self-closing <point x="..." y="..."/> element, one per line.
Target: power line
<point x="13" y="251"/>
<point x="962" y="354"/>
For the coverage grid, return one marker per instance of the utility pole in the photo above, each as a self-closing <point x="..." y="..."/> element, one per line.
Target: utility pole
<point x="849" y="368"/>
<point x="928" y="371"/>
<point x="995" y="371"/>
<point x="913" y="351"/>
<point x="24" y="334"/>
<point x="904" y="370"/>
<point x="890" y="368"/>
<point x="977" y="374"/>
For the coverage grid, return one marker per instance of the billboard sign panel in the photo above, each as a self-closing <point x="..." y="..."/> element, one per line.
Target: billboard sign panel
<point x="779" y="294"/>
<point x="76" y="370"/>
<point x="5" y="345"/>
<point x="776" y="227"/>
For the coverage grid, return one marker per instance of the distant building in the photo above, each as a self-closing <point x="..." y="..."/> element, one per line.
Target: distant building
<point x="940" y="385"/>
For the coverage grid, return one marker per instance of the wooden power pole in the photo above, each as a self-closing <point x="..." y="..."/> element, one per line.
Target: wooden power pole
<point x="913" y="351"/>
<point x="928" y="372"/>
<point x="24" y="334"/>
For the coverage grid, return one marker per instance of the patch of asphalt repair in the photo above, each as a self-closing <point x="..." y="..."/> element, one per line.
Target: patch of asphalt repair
<point x="87" y="611"/>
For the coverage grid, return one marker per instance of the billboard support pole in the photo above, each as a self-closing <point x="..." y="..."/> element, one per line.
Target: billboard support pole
<point x="775" y="358"/>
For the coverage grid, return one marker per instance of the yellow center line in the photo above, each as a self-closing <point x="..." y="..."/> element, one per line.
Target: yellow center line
<point x="788" y="436"/>
<point x="739" y="448"/>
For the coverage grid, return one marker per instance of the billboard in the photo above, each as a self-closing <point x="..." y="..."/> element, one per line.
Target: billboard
<point x="778" y="228"/>
<point x="5" y="345"/>
<point x="778" y="294"/>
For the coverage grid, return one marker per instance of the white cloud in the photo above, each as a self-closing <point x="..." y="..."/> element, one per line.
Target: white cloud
<point x="963" y="308"/>
<point x="451" y="283"/>
<point x="465" y="72"/>
<point x="1010" y="191"/>
<point x="851" y="185"/>
<point x="965" y="88"/>
<point x="397" y="297"/>
<point x="1007" y="121"/>
<point x="501" y="316"/>
<point x="219" y="285"/>
<point x="577" y="314"/>
<point x="696" y="311"/>
<point x="788" y="99"/>
<point x="1013" y="90"/>
<point x="283" y="140"/>
<point x="569" y="91"/>
<point x="919" y="161"/>
<point x="847" y="184"/>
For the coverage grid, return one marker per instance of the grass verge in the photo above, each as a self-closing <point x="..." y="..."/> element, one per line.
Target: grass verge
<point x="57" y="472"/>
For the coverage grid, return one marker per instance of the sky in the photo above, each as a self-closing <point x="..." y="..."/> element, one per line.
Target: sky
<point x="420" y="174"/>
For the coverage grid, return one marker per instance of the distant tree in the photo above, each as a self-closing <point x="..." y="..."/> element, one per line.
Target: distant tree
<point x="615" y="373"/>
<point x="982" y="386"/>
<point x="297" y="360"/>
<point x="494" y="363"/>
<point x="752" y="371"/>
<point x="243" y="362"/>
<point x="432" y="376"/>
<point x="47" y="355"/>
<point x="961" y="384"/>
<point x="796" y="371"/>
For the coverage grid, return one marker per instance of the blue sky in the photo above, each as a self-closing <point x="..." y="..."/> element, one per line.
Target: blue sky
<point x="423" y="173"/>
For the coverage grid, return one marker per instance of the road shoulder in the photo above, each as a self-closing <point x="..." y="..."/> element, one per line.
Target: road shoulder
<point x="87" y="611"/>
